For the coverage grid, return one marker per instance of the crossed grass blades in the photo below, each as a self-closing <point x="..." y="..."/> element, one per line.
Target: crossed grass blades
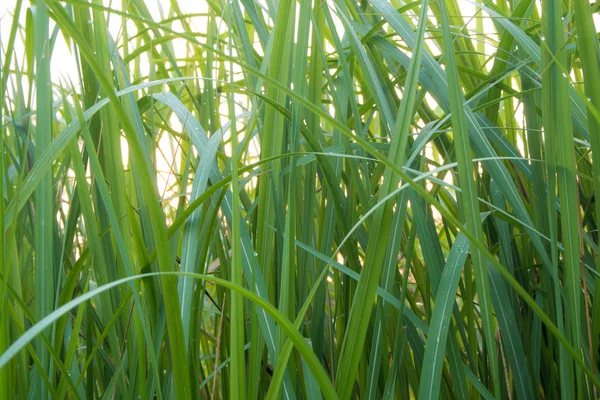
<point x="298" y="199"/>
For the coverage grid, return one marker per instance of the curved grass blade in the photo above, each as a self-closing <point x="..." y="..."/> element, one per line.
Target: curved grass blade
<point x="437" y="334"/>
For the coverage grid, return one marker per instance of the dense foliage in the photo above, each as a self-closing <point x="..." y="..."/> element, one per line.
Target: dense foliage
<point x="407" y="207"/>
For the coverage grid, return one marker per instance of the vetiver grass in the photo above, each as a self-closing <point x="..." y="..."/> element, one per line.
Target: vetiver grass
<point x="300" y="199"/>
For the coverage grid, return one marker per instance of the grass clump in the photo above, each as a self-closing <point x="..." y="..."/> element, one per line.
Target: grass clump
<point x="300" y="199"/>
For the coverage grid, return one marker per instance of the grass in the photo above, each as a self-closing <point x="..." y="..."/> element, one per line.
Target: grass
<point x="300" y="199"/>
